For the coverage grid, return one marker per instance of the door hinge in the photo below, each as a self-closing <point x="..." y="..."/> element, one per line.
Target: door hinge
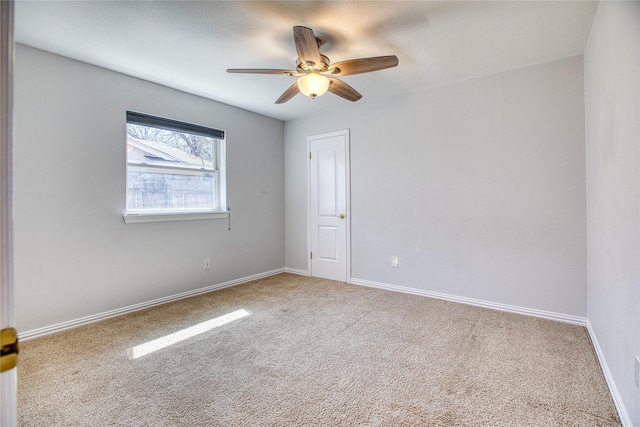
<point x="9" y="355"/>
<point x="309" y="155"/>
<point x="311" y="253"/>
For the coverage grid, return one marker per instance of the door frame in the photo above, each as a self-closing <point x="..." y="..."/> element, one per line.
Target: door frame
<point x="8" y="379"/>
<point x="347" y="166"/>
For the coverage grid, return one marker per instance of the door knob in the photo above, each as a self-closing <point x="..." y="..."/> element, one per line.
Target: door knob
<point x="341" y="216"/>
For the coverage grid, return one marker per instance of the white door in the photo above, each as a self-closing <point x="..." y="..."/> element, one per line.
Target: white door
<point x="8" y="377"/>
<point x="329" y="205"/>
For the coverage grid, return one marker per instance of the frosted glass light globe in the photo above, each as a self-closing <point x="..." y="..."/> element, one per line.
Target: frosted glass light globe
<point x="313" y="84"/>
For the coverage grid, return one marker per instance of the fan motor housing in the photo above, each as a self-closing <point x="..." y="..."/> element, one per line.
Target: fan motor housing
<point x="304" y="67"/>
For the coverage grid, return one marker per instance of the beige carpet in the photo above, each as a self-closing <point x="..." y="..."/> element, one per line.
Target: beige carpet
<point x="314" y="352"/>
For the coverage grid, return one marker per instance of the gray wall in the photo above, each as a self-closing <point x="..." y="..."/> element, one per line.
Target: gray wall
<point x="478" y="187"/>
<point x="74" y="255"/>
<point x="612" y="97"/>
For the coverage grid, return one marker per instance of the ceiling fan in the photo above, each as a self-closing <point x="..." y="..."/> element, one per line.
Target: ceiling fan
<point x="315" y="72"/>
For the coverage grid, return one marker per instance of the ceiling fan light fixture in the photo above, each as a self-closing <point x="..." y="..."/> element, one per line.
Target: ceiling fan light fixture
<point x="315" y="72"/>
<point x="313" y="84"/>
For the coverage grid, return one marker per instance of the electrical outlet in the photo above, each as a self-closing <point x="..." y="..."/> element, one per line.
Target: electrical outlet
<point x="207" y="264"/>
<point x="394" y="262"/>
<point x="637" y="372"/>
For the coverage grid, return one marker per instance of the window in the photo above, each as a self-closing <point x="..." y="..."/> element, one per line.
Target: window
<point x="173" y="168"/>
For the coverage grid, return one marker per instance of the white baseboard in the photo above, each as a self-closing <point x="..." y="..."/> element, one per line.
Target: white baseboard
<point x="296" y="271"/>
<point x="566" y="318"/>
<point x="615" y="394"/>
<point x="47" y="330"/>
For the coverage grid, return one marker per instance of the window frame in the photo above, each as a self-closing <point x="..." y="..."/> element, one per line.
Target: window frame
<point x="219" y="169"/>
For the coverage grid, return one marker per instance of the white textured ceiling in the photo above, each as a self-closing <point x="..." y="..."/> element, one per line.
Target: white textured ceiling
<point x="189" y="45"/>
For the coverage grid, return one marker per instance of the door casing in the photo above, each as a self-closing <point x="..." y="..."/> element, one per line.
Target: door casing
<point x="8" y="379"/>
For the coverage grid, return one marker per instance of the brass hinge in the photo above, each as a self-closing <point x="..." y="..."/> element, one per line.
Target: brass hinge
<point x="9" y="356"/>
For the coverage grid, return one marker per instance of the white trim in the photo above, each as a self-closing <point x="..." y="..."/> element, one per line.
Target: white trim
<point x="296" y="271"/>
<point x="8" y="379"/>
<point x="47" y="330"/>
<point x="566" y="318"/>
<point x="172" y="167"/>
<point x="615" y="394"/>
<point x="308" y="188"/>
<point x="133" y="218"/>
<point x="347" y="171"/>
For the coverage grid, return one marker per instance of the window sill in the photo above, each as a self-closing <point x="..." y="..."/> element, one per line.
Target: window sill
<point x="134" y="218"/>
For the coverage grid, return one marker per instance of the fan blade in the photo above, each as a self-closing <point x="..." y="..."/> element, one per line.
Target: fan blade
<point x="262" y="71"/>
<point x="288" y="94"/>
<point x="342" y="89"/>
<point x="306" y="45"/>
<point x="363" y="65"/>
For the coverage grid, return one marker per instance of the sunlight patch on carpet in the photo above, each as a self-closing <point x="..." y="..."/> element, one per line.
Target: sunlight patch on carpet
<point x="176" y="337"/>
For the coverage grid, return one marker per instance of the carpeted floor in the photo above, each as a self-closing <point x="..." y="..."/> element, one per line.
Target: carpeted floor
<point x="313" y="352"/>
